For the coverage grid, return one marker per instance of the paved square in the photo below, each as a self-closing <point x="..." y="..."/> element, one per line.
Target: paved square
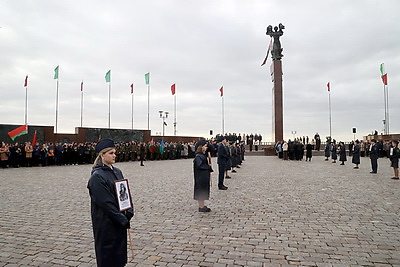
<point x="275" y="213"/>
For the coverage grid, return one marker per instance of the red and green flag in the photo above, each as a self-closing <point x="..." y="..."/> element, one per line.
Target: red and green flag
<point x="147" y="78"/>
<point x="132" y="88"/>
<point x="26" y="81"/>
<point x="222" y="91"/>
<point x="329" y="86"/>
<point x="383" y="74"/>
<point x="18" y="132"/>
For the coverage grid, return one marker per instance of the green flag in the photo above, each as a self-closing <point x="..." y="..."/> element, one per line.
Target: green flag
<point x="382" y="70"/>
<point x="108" y="76"/>
<point x="56" y="73"/>
<point x="147" y="78"/>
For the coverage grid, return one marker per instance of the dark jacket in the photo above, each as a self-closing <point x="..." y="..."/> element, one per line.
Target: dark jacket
<point x="201" y="171"/>
<point x="109" y="224"/>
<point x="223" y="156"/>
<point x="356" y="155"/>
<point x="374" y="153"/>
<point x="342" y="153"/>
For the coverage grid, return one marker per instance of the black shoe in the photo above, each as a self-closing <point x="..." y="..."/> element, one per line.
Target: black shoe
<point x="228" y="177"/>
<point x="372" y="172"/>
<point x="223" y="187"/>
<point x="238" y="166"/>
<point x="355" y="168"/>
<point x="204" y="209"/>
<point x="341" y="163"/>
<point x="234" y="171"/>
<point x="395" y="178"/>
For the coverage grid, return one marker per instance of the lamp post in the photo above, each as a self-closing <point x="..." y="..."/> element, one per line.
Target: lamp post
<point x="163" y="116"/>
<point x="294" y="134"/>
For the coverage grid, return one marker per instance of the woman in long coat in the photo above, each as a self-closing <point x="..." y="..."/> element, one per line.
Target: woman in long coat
<point x="201" y="170"/>
<point x="394" y="159"/>
<point x="356" y="154"/>
<point x="334" y="151"/>
<point x="342" y="153"/>
<point x="109" y="223"/>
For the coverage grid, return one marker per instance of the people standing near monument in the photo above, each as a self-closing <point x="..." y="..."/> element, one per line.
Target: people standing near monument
<point x="142" y="153"/>
<point x="285" y="150"/>
<point x="109" y="223"/>
<point x="222" y="162"/>
<point x="201" y="170"/>
<point x="342" y="152"/>
<point x="356" y="154"/>
<point x="4" y="151"/>
<point x="394" y="158"/>
<point x="374" y="155"/>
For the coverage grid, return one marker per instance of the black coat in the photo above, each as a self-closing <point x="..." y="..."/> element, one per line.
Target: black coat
<point x="309" y="151"/>
<point x="394" y="158"/>
<point x="374" y="152"/>
<point x="201" y="171"/>
<point x="109" y="224"/>
<point x="342" y="153"/>
<point x="356" y="155"/>
<point x="223" y="156"/>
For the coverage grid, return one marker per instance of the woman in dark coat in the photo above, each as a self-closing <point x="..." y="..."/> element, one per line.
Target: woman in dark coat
<point x="356" y="154"/>
<point x="201" y="170"/>
<point x="327" y="151"/>
<point x="308" y="152"/>
<point x="342" y="153"/>
<point x="109" y="223"/>
<point x="334" y="151"/>
<point x="394" y="159"/>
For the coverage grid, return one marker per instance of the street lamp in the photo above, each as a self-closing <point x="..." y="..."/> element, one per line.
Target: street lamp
<point x="163" y="116"/>
<point x="294" y="134"/>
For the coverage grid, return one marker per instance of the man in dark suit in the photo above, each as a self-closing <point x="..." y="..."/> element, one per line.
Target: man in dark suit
<point x="222" y="162"/>
<point x="374" y="155"/>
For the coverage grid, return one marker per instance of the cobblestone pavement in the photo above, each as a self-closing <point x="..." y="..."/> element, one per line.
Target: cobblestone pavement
<point x="274" y="213"/>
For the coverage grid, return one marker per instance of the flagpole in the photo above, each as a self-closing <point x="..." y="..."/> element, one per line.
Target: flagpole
<point x="57" y="107"/>
<point x="26" y="104"/>
<point x="132" y="109"/>
<point x="223" y="119"/>
<point x="148" y="107"/>
<point x="109" y="104"/>
<point x="330" y="115"/>
<point x="81" y="104"/>
<point x="387" y="108"/>
<point x="175" y="114"/>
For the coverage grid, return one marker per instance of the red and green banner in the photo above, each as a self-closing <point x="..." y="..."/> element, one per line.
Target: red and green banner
<point x="222" y="91"/>
<point x="383" y="74"/>
<point x="132" y="88"/>
<point x="329" y="86"/>
<point x="147" y="78"/>
<point x="173" y="89"/>
<point x="26" y="81"/>
<point x="108" y="76"/>
<point x="18" y="132"/>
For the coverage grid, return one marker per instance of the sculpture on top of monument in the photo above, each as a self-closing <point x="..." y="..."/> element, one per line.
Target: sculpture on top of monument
<point x="276" y="33"/>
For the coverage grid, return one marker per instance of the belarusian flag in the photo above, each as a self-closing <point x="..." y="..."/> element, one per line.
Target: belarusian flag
<point x="132" y="88"/>
<point x="26" y="81"/>
<point x="18" y="132"/>
<point x="329" y="86"/>
<point x="147" y="78"/>
<point x="56" y="73"/>
<point x="384" y="79"/>
<point x="173" y="89"/>
<point x="222" y="91"/>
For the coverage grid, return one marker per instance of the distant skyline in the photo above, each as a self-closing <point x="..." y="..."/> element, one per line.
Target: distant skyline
<point x="200" y="47"/>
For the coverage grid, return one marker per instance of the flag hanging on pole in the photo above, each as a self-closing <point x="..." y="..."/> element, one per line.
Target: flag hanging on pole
<point x="269" y="49"/>
<point x="108" y="76"/>
<point x="173" y="89"/>
<point x="18" y="132"/>
<point x="34" y="139"/>
<point x="329" y="86"/>
<point x="82" y="86"/>
<point x="147" y="78"/>
<point x="56" y="73"/>
<point x="383" y="74"/>
<point x="222" y="91"/>
<point x="132" y="88"/>
<point x="26" y="81"/>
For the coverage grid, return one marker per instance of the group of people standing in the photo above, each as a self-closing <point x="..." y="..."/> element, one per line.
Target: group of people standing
<point x="373" y="150"/>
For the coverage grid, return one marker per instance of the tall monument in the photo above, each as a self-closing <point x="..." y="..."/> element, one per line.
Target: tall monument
<point x="276" y="73"/>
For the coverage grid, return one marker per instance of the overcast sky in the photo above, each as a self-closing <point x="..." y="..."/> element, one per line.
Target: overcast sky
<point x="201" y="46"/>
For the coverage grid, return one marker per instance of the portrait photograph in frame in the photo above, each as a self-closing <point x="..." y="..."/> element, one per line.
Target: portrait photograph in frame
<point x="123" y="194"/>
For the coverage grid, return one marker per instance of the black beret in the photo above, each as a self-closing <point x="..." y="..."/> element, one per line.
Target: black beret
<point x="104" y="143"/>
<point x="201" y="143"/>
<point x="220" y="139"/>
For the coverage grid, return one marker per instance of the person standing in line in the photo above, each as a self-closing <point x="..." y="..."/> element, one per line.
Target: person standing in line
<point x="334" y="151"/>
<point x="342" y="153"/>
<point x="222" y="162"/>
<point x="202" y="170"/>
<point x="356" y="154"/>
<point x="374" y="155"/>
<point x="327" y="150"/>
<point x="142" y="152"/>
<point x="285" y="150"/>
<point x="109" y="223"/>
<point x="394" y="159"/>
<point x="309" y="149"/>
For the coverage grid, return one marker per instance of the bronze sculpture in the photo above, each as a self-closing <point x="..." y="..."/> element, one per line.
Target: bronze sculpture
<point x="277" y="49"/>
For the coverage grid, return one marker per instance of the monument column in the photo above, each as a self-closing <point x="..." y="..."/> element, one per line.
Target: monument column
<point x="276" y="72"/>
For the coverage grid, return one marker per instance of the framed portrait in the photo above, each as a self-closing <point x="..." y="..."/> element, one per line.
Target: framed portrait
<point x="123" y="194"/>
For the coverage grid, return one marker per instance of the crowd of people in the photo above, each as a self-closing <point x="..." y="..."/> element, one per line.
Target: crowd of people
<point x="339" y="151"/>
<point x="252" y="140"/>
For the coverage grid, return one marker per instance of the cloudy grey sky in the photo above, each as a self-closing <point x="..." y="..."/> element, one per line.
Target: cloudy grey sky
<point x="201" y="46"/>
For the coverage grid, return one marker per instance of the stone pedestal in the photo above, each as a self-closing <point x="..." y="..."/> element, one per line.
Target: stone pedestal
<point x="277" y="102"/>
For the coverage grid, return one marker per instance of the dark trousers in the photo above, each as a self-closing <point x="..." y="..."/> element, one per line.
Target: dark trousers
<point x="374" y="164"/>
<point x="221" y="175"/>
